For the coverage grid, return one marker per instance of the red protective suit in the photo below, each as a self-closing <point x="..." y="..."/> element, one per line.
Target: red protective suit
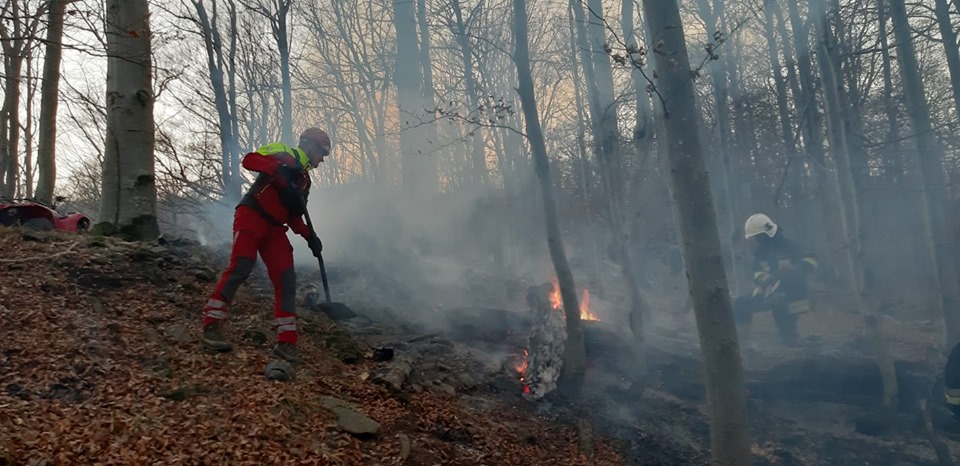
<point x="259" y="226"/>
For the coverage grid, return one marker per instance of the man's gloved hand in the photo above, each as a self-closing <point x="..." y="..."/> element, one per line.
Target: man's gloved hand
<point x="316" y="246"/>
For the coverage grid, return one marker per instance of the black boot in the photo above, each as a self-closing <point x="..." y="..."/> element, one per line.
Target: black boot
<point x="213" y="338"/>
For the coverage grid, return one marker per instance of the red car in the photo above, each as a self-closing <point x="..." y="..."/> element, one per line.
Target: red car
<point x="36" y="215"/>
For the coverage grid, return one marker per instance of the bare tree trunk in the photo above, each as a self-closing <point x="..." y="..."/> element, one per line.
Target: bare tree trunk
<point x="129" y="200"/>
<point x="935" y="189"/>
<point x="574" y="361"/>
<point x="409" y="101"/>
<point x="712" y="15"/>
<point x="642" y="135"/>
<point x="49" y="99"/>
<point x="815" y="148"/>
<point x="429" y="102"/>
<point x="702" y="254"/>
<point x="14" y="43"/>
<point x="585" y="174"/>
<point x="603" y="111"/>
<point x="849" y="187"/>
<point x="948" y="36"/>
<point x="282" y="33"/>
<point x="28" y="131"/>
<point x="477" y="153"/>
<point x="894" y="156"/>
<point x="224" y="98"/>
<point x="641" y="130"/>
<point x="786" y="127"/>
<point x="909" y="200"/>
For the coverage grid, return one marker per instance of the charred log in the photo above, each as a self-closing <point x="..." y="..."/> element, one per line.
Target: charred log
<point x="850" y="380"/>
<point x="546" y="345"/>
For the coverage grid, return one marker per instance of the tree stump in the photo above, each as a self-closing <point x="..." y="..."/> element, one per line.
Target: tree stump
<point x="545" y="347"/>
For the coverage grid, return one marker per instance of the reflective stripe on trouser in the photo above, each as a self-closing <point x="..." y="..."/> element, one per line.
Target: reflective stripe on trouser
<point x="952" y="395"/>
<point x="800" y="306"/>
<point x="285" y="324"/>
<point x="285" y="319"/>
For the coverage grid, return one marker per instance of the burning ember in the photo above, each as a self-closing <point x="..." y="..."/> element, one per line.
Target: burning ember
<point x="522" y="367"/>
<point x="557" y="302"/>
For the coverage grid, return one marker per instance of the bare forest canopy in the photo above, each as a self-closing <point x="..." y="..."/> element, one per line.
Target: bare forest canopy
<point x="602" y="144"/>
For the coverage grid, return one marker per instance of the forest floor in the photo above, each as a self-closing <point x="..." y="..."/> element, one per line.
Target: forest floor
<point x="100" y="363"/>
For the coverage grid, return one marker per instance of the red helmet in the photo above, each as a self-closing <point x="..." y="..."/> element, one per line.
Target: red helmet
<point x="319" y="137"/>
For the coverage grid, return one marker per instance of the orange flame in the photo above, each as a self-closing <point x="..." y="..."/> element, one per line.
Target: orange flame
<point x="522" y="366"/>
<point x="585" y="313"/>
<point x="555" y="299"/>
<point x="557" y="302"/>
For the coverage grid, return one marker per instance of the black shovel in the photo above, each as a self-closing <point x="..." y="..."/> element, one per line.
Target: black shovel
<point x="336" y="311"/>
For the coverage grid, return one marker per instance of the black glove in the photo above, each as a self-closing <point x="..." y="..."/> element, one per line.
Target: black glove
<point x="316" y="246"/>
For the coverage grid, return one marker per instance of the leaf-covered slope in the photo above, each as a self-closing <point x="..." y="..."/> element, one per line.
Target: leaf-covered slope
<point x="99" y="363"/>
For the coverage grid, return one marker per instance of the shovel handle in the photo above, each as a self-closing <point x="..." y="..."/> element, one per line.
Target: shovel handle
<point x="323" y="277"/>
<point x="323" y="269"/>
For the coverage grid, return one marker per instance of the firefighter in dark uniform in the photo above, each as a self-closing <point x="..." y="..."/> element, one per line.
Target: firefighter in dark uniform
<point x="781" y="269"/>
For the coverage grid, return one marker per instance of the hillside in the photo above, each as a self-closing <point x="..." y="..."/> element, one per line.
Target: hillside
<point x="100" y="363"/>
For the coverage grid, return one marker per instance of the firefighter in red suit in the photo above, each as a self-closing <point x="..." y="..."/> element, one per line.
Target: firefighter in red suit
<point x="274" y="201"/>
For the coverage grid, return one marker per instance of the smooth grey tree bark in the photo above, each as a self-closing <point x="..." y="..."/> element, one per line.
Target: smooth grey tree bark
<point x="574" y="361"/>
<point x="702" y="254"/>
<point x="129" y="200"/>
<point x="936" y="192"/>
<point x="49" y="100"/>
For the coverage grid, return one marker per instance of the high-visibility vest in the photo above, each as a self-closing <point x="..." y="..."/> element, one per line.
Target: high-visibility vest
<point x="277" y="147"/>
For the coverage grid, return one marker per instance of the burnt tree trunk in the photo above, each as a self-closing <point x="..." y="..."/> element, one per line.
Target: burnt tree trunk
<point x="574" y="364"/>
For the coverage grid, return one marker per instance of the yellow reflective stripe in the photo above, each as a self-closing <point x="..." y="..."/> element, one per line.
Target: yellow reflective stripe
<point x="278" y="147"/>
<point x="273" y="148"/>
<point x="952" y="395"/>
<point x="302" y="157"/>
<point x="811" y="261"/>
<point x="799" y="307"/>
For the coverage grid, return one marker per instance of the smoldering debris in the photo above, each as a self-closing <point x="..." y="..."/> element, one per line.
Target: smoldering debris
<point x="545" y="347"/>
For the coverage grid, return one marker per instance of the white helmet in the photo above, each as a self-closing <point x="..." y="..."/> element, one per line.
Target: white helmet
<point x="759" y="223"/>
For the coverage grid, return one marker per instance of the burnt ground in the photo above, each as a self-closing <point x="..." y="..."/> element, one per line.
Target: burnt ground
<point x="809" y="405"/>
<point x="100" y="362"/>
